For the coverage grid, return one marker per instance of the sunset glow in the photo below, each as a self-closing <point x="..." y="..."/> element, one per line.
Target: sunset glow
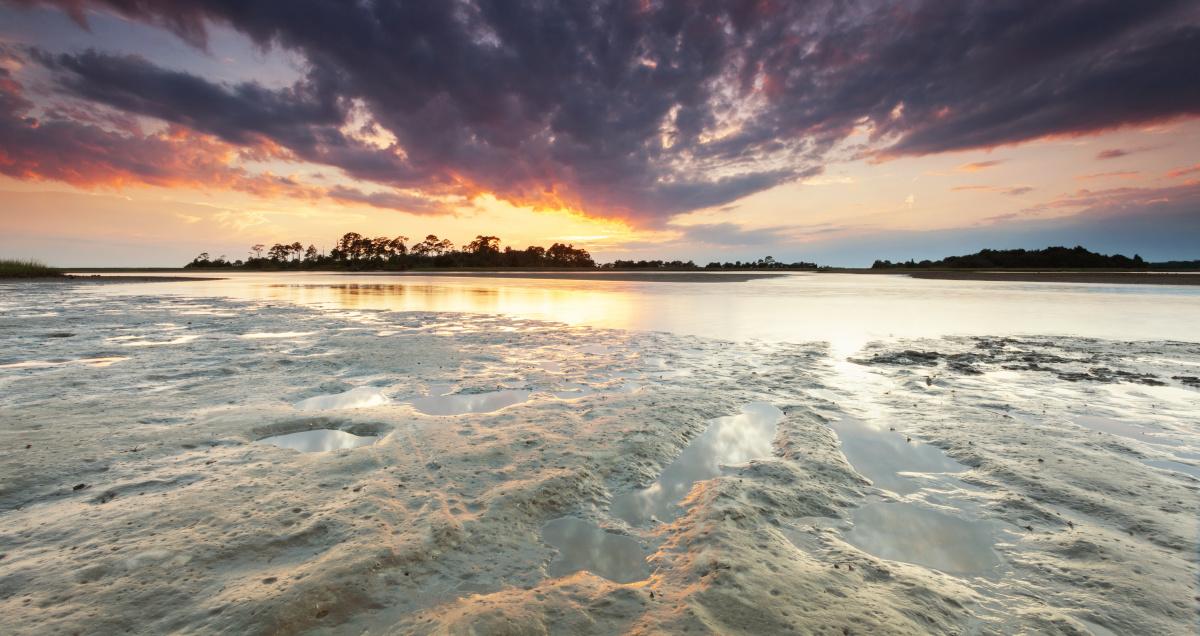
<point x="142" y="134"/>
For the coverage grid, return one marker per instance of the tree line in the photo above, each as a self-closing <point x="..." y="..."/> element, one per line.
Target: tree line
<point x="768" y="262"/>
<point x="354" y="251"/>
<point x="1050" y="257"/>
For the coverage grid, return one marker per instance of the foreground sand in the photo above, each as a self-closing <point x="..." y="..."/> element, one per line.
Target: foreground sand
<point x="134" y="496"/>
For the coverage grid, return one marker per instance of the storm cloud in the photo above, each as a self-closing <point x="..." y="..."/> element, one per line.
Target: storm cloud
<point x="645" y="110"/>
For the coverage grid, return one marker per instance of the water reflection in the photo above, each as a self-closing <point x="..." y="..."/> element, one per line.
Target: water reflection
<point x="495" y="297"/>
<point x="728" y="440"/>
<point x="356" y="398"/>
<point x="584" y="546"/>
<point x="913" y="534"/>
<point x="320" y="440"/>
<point x="463" y="403"/>
<point x="1169" y="464"/>
<point x="887" y="458"/>
<point x="1113" y="426"/>
<point x="847" y="310"/>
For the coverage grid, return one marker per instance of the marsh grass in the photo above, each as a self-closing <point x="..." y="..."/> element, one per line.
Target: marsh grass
<point x="14" y="268"/>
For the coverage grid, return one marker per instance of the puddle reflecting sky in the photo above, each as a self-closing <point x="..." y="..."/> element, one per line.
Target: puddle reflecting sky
<point x="1179" y="467"/>
<point x="463" y="403"/>
<point x="319" y="440"/>
<point x="1146" y="434"/>
<point x="582" y="545"/>
<point x="881" y="455"/>
<point x="910" y="533"/>
<point x="356" y="398"/>
<point x="728" y="440"/>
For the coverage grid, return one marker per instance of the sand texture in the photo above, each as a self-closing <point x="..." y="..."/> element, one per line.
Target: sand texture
<point x="137" y="495"/>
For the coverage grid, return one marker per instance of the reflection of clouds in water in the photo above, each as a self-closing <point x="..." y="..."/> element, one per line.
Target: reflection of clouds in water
<point x="319" y="440"/>
<point x="886" y="457"/>
<point x="582" y="545"/>
<point x="913" y="534"/>
<point x="463" y="403"/>
<point x="728" y="440"/>
<point x="356" y="398"/>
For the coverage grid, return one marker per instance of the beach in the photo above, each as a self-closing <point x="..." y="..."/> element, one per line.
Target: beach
<point x="323" y="455"/>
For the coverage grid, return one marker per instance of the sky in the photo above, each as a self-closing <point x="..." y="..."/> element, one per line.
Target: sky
<point x="139" y="133"/>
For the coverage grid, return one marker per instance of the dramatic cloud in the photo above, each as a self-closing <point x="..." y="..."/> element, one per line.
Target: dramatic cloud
<point x="644" y="110"/>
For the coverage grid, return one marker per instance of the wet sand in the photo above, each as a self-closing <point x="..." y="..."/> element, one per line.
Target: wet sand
<point x="175" y="465"/>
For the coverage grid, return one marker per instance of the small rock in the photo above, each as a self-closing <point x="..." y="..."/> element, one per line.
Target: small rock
<point x="269" y="580"/>
<point x="79" y="487"/>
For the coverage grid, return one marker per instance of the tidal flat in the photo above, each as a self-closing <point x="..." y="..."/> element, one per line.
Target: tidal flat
<point x="801" y="454"/>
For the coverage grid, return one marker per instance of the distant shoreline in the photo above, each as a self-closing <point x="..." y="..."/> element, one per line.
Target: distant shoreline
<point x="105" y="279"/>
<point x="1103" y="278"/>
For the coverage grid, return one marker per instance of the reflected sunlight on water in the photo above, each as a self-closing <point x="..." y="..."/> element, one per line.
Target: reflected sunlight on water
<point x="846" y="310"/>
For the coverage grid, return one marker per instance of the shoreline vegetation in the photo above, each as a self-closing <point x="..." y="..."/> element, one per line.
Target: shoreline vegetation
<point x="17" y="268"/>
<point x="355" y="252"/>
<point x="484" y="258"/>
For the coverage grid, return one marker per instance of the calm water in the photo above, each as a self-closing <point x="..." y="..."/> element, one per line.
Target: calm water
<point x="847" y="310"/>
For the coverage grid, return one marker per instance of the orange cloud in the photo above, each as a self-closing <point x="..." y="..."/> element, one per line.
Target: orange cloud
<point x="979" y="165"/>
<point x="1183" y="171"/>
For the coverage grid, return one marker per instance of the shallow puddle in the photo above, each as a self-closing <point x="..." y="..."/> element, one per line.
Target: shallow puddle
<point x="319" y="441"/>
<point x="356" y="398"/>
<point x="1179" y="467"/>
<point x="463" y="403"/>
<point x="582" y="545"/>
<point x="735" y="439"/>
<point x="1113" y="426"/>
<point x="913" y="534"/>
<point x="887" y="457"/>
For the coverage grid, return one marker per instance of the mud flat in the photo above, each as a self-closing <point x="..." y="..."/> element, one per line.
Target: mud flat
<point x="261" y="468"/>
